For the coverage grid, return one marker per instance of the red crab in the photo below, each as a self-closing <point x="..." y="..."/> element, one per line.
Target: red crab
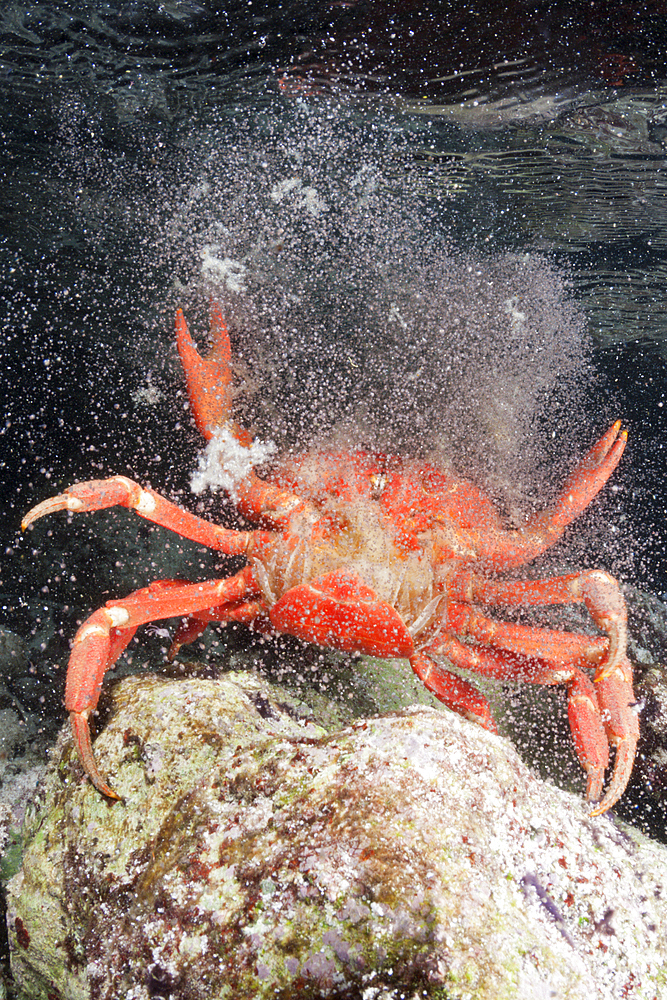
<point x="371" y="553"/>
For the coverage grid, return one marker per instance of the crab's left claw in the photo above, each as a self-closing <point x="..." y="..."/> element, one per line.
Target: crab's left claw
<point x="208" y="378"/>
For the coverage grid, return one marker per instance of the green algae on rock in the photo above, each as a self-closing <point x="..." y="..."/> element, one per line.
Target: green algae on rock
<point x="256" y="855"/>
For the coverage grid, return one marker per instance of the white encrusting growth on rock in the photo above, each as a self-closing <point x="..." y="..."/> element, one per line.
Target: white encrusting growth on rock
<point x="225" y="462"/>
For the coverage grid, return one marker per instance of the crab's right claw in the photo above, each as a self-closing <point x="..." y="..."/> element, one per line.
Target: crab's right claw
<point x="590" y="476"/>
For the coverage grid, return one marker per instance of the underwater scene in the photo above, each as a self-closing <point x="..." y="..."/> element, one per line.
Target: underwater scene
<point x="351" y="319"/>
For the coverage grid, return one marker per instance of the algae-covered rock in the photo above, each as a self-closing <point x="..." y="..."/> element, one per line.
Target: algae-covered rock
<point x="255" y="855"/>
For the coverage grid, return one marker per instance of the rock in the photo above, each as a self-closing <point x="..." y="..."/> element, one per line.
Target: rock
<point x="13" y="659"/>
<point x="12" y="734"/>
<point x="255" y="855"/>
<point x="17" y="792"/>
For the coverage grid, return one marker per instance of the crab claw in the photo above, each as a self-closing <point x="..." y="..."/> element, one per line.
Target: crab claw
<point x="209" y="378"/>
<point x="337" y="610"/>
<point x="589" y="476"/>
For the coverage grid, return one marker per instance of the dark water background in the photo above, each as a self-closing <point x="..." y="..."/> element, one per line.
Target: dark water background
<point x="436" y="228"/>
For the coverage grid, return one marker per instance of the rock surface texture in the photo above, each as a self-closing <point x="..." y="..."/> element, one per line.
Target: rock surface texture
<point x="255" y="855"/>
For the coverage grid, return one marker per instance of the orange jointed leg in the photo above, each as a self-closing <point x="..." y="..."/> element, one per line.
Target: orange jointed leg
<point x="598" y="590"/>
<point x="613" y="684"/>
<point x="550" y="646"/>
<point x="601" y="713"/>
<point x="194" y="625"/>
<point x="119" y="491"/>
<point x="588" y="733"/>
<point x="475" y="589"/>
<point x="108" y="630"/>
<point x="457" y="694"/>
<point x="261" y="499"/>
<point x="605" y="603"/>
<point x="190" y="629"/>
<point x="586" y="725"/>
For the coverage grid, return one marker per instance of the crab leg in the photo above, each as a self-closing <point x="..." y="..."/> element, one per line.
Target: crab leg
<point x="548" y="645"/>
<point x="194" y="625"/>
<point x="598" y="590"/>
<point x="98" y="494"/>
<point x="588" y="732"/>
<point x="604" y="601"/>
<point x="107" y="631"/>
<point x="601" y="713"/>
<point x="454" y="692"/>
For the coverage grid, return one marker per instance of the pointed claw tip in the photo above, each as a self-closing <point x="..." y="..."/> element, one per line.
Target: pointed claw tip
<point x="594" y="785"/>
<point x="50" y="506"/>
<point x="110" y="794"/>
<point x="620" y="435"/>
<point x="100" y="784"/>
<point x="603" y="803"/>
<point x="82" y="741"/>
<point x="29" y="519"/>
<point x="603" y="807"/>
<point x="625" y="753"/>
